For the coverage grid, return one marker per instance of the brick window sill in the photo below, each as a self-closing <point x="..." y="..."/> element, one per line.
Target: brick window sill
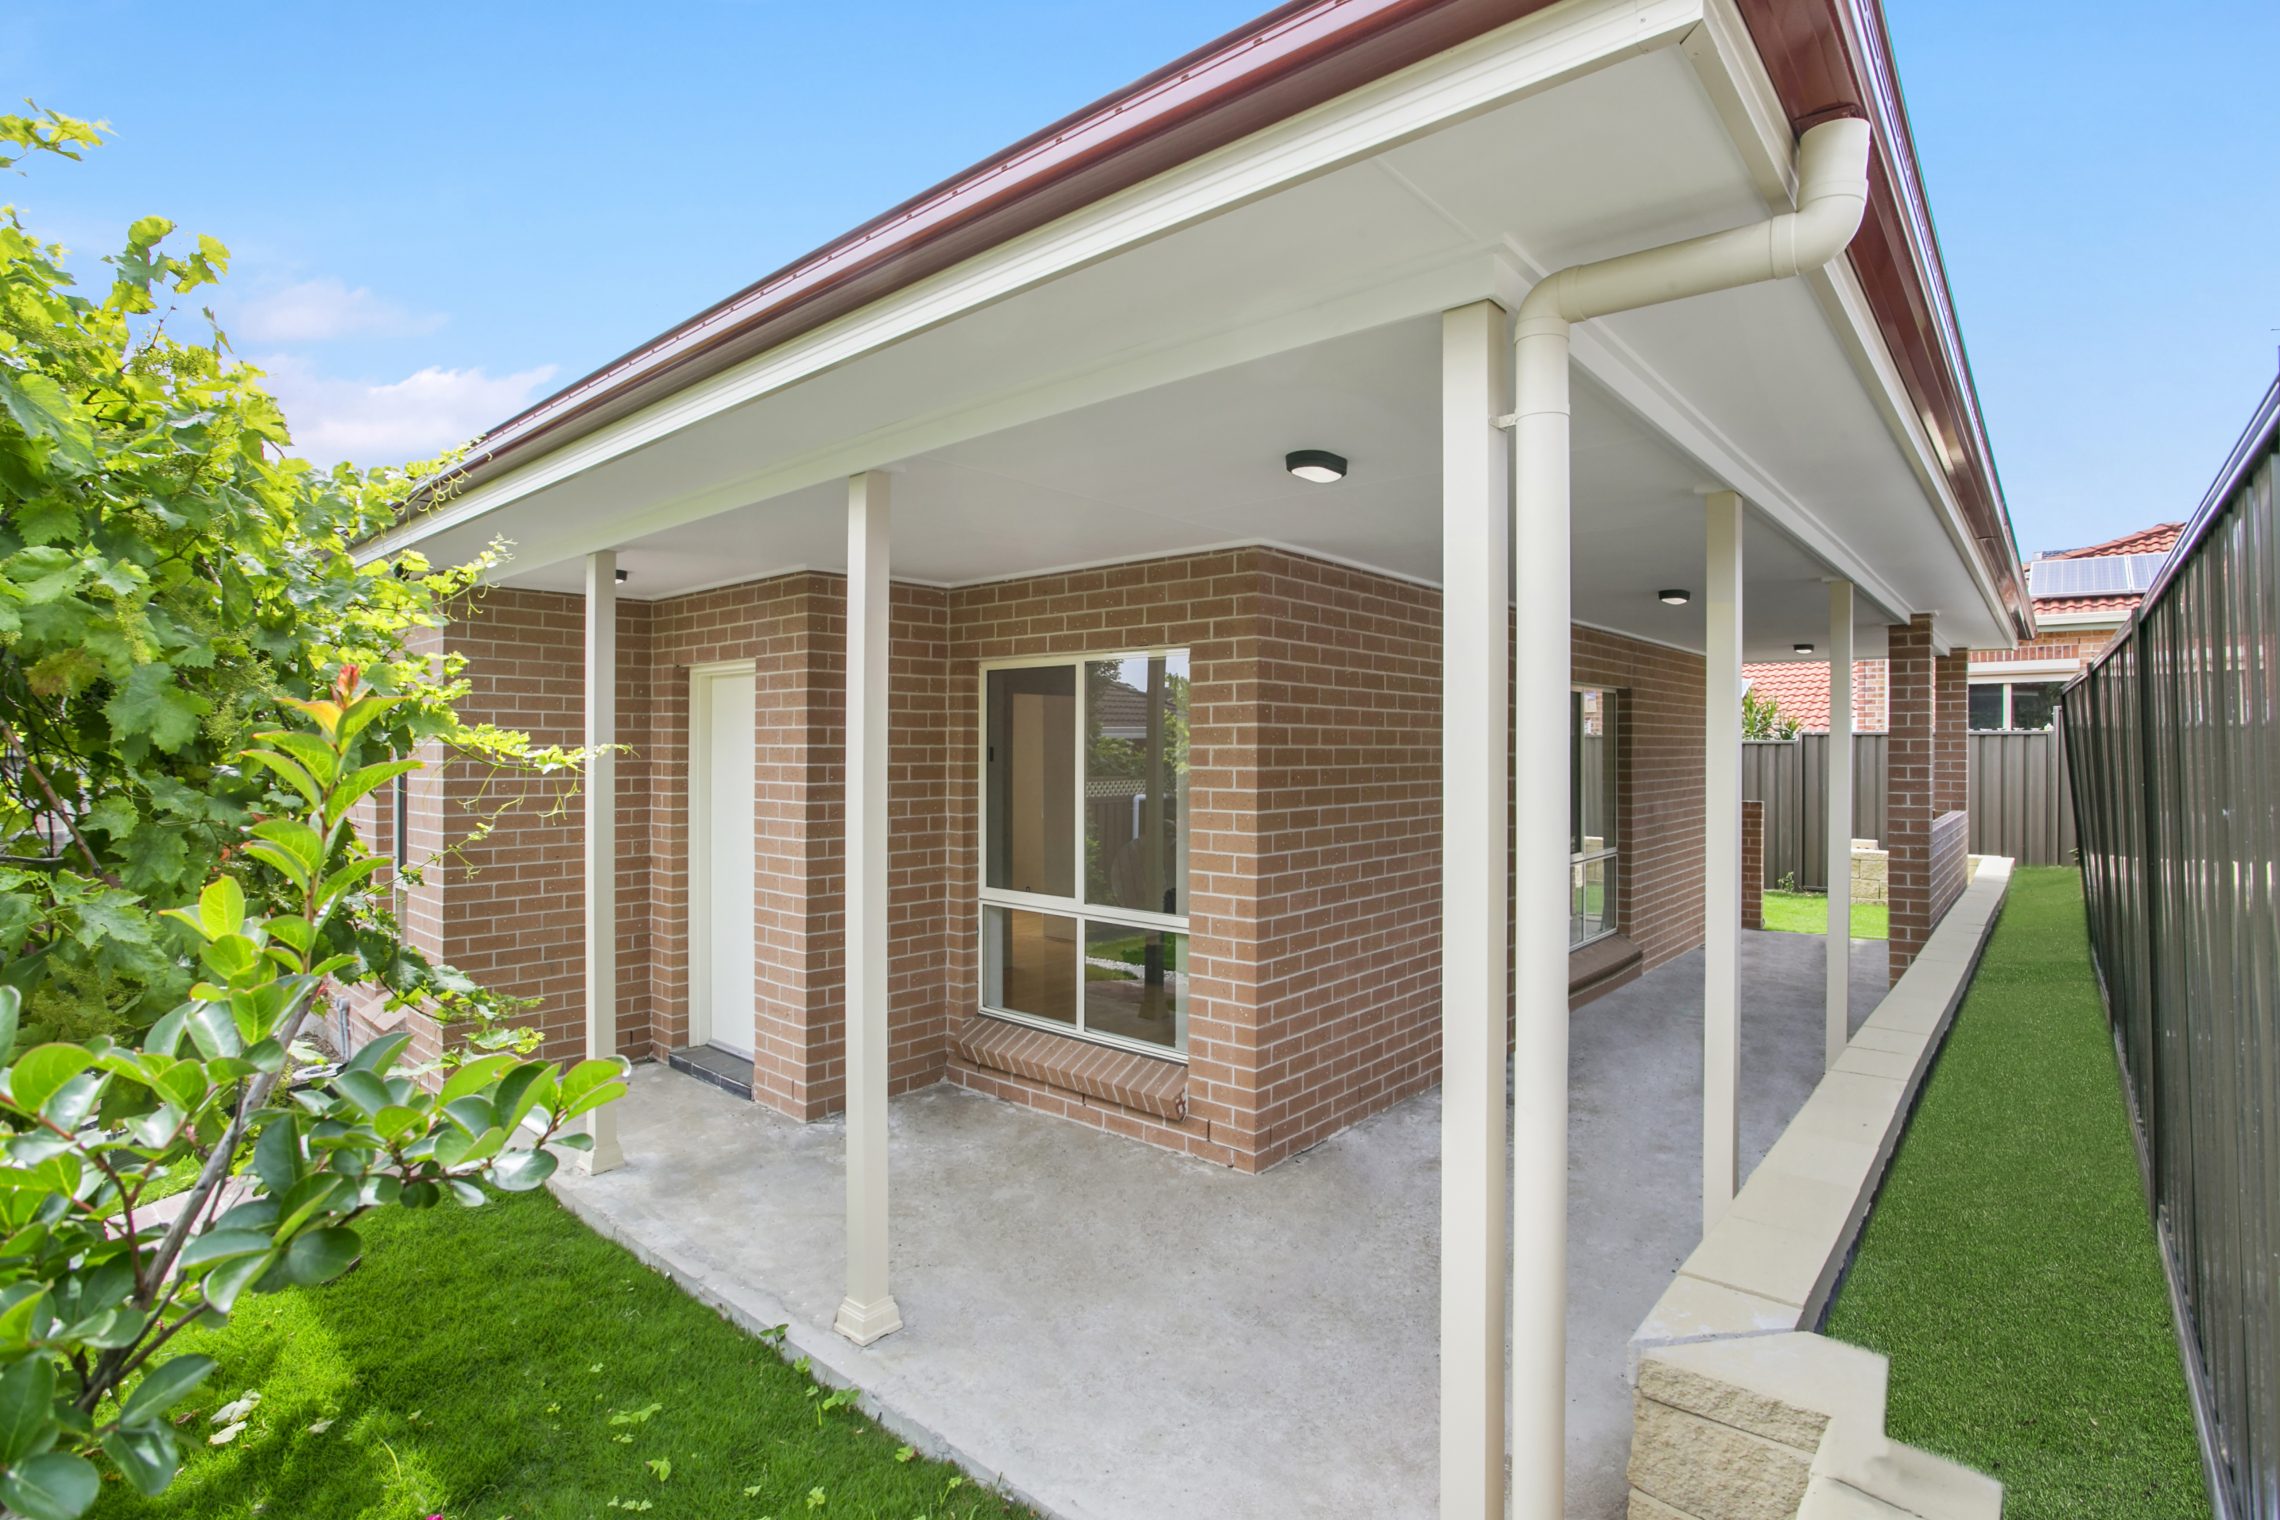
<point x="1600" y="967"/>
<point x="1141" y="1083"/>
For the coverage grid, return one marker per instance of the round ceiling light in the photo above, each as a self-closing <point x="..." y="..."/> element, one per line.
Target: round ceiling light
<point x="1802" y="648"/>
<point x="1675" y="597"/>
<point x="1317" y="465"/>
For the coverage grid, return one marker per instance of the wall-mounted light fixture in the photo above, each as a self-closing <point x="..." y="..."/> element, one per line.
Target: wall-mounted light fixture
<point x="1802" y="648"/>
<point x="624" y="575"/>
<point x="1675" y="597"/>
<point x="1317" y="465"/>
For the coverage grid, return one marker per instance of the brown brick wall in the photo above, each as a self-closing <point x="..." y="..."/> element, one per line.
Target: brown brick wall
<point x="1950" y="861"/>
<point x="502" y="853"/>
<point x="513" y="887"/>
<point x="1753" y="865"/>
<point x="1659" y="814"/>
<point x="793" y="629"/>
<point x="1951" y="683"/>
<point x="1911" y="787"/>
<point x="1314" y="825"/>
<point x="1347" y="803"/>
<point x="1207" y="604"/>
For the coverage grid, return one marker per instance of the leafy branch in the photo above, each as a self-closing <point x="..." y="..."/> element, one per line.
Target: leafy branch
<point x="92" y="1288"/>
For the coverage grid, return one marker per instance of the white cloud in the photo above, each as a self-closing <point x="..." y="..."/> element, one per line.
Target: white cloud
<point x="412" y="418"/>
<point x="316" y="310"/>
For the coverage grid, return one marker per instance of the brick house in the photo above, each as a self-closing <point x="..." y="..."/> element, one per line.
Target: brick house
<point x="2082" y="598"/>
<point x="1244" y="718"/>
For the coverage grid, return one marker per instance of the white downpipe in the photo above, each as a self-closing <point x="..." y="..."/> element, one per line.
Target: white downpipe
<point x="1540" y="667"/>
<point x="1839" y="790"/>
<point x="1832" y="192"/>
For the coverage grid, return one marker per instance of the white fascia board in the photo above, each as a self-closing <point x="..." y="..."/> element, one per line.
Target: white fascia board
<point x="1734" y="77"/>
<point x="2012" y="670"/>
<point x="1533" y="54"/>
<point x="2108" y="619"/>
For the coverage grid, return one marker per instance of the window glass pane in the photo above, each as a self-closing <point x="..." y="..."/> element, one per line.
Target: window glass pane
<point x="1591" y="771"/>
<point x="1029" y="963"/>
<point x="1136" y="782"/>
<point x="1986" y="706"/>
<point x="1030" y="720"/>
<point x="1136" y="984"/>
<point x="1591" y="899"/>
<point x="2034" y="704"/>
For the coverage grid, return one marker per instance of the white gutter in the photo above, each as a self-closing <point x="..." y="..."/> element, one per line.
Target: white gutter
<point x="1832" y="194"/>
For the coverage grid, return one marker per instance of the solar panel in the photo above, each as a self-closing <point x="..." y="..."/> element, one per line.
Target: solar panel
<point x="2105" y="575"/>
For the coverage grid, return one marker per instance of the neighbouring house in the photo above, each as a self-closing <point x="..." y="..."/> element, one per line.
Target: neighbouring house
<point x="1303" y="652"/>
<point x="2082" y="598"/>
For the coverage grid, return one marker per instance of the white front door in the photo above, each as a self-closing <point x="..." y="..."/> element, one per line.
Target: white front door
<point x="721" y="906"/>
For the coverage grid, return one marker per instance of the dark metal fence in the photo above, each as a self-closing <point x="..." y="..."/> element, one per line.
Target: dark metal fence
<point x="2174" y="742"/>
<point x="1790" y="776"/>
<point x="2019" y="803"/>
<point x="2019" y="799"/>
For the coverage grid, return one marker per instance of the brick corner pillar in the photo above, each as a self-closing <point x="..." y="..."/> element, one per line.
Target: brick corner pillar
<point x="1912" y="791"/>
<point x="1753" y="865"/>
<point x="1951" y="738"/>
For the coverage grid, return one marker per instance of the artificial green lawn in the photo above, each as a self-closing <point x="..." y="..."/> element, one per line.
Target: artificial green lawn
<point x="506" y="1361"/>
<point x="2008" y="1269"/>
<point x="1808" y="913"/>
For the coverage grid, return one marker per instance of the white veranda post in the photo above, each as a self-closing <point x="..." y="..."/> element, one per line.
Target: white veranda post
<point x="601" y="840"/>
<point x="1722" y="856"/>
<point x="1475" y="519"/>
<point x="868" y="1311"/>
<point x="1839" y="790"/>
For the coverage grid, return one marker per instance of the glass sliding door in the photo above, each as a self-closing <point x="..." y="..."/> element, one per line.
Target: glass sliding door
<point x="1085" y="846"/>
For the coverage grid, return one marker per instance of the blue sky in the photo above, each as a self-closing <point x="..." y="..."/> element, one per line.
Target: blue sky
<point x="439" y="213"/>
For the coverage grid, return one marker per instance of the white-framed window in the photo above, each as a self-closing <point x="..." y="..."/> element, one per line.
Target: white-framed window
<point x="1594" y="875"/>
<point x="2021" y="706"/>
<point x="1083" y="917"/>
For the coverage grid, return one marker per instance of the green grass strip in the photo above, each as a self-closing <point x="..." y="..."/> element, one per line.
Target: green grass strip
<point x="1808" y="913"/>
<point x="2009" y="1269"/>
<point x="507" y="1362"/>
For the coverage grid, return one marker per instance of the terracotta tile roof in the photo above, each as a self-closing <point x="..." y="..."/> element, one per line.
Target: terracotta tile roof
<point x="2122" y="604"/>
<point x="1800" y="689"/>
<point x="2158" y="539"/>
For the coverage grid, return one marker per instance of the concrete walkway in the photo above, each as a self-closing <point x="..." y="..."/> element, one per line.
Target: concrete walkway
<point x="1114" y="1332"/>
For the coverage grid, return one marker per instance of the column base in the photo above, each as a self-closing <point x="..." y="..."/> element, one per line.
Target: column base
<point x="606" y="1156"/>
<point x="865" y="1323"/>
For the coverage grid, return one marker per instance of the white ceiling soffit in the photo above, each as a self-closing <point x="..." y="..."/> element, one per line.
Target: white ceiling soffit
<point x="1140" y="405"/>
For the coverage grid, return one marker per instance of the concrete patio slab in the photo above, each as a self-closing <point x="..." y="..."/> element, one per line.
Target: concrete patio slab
<point x="1114" y="1331"/>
